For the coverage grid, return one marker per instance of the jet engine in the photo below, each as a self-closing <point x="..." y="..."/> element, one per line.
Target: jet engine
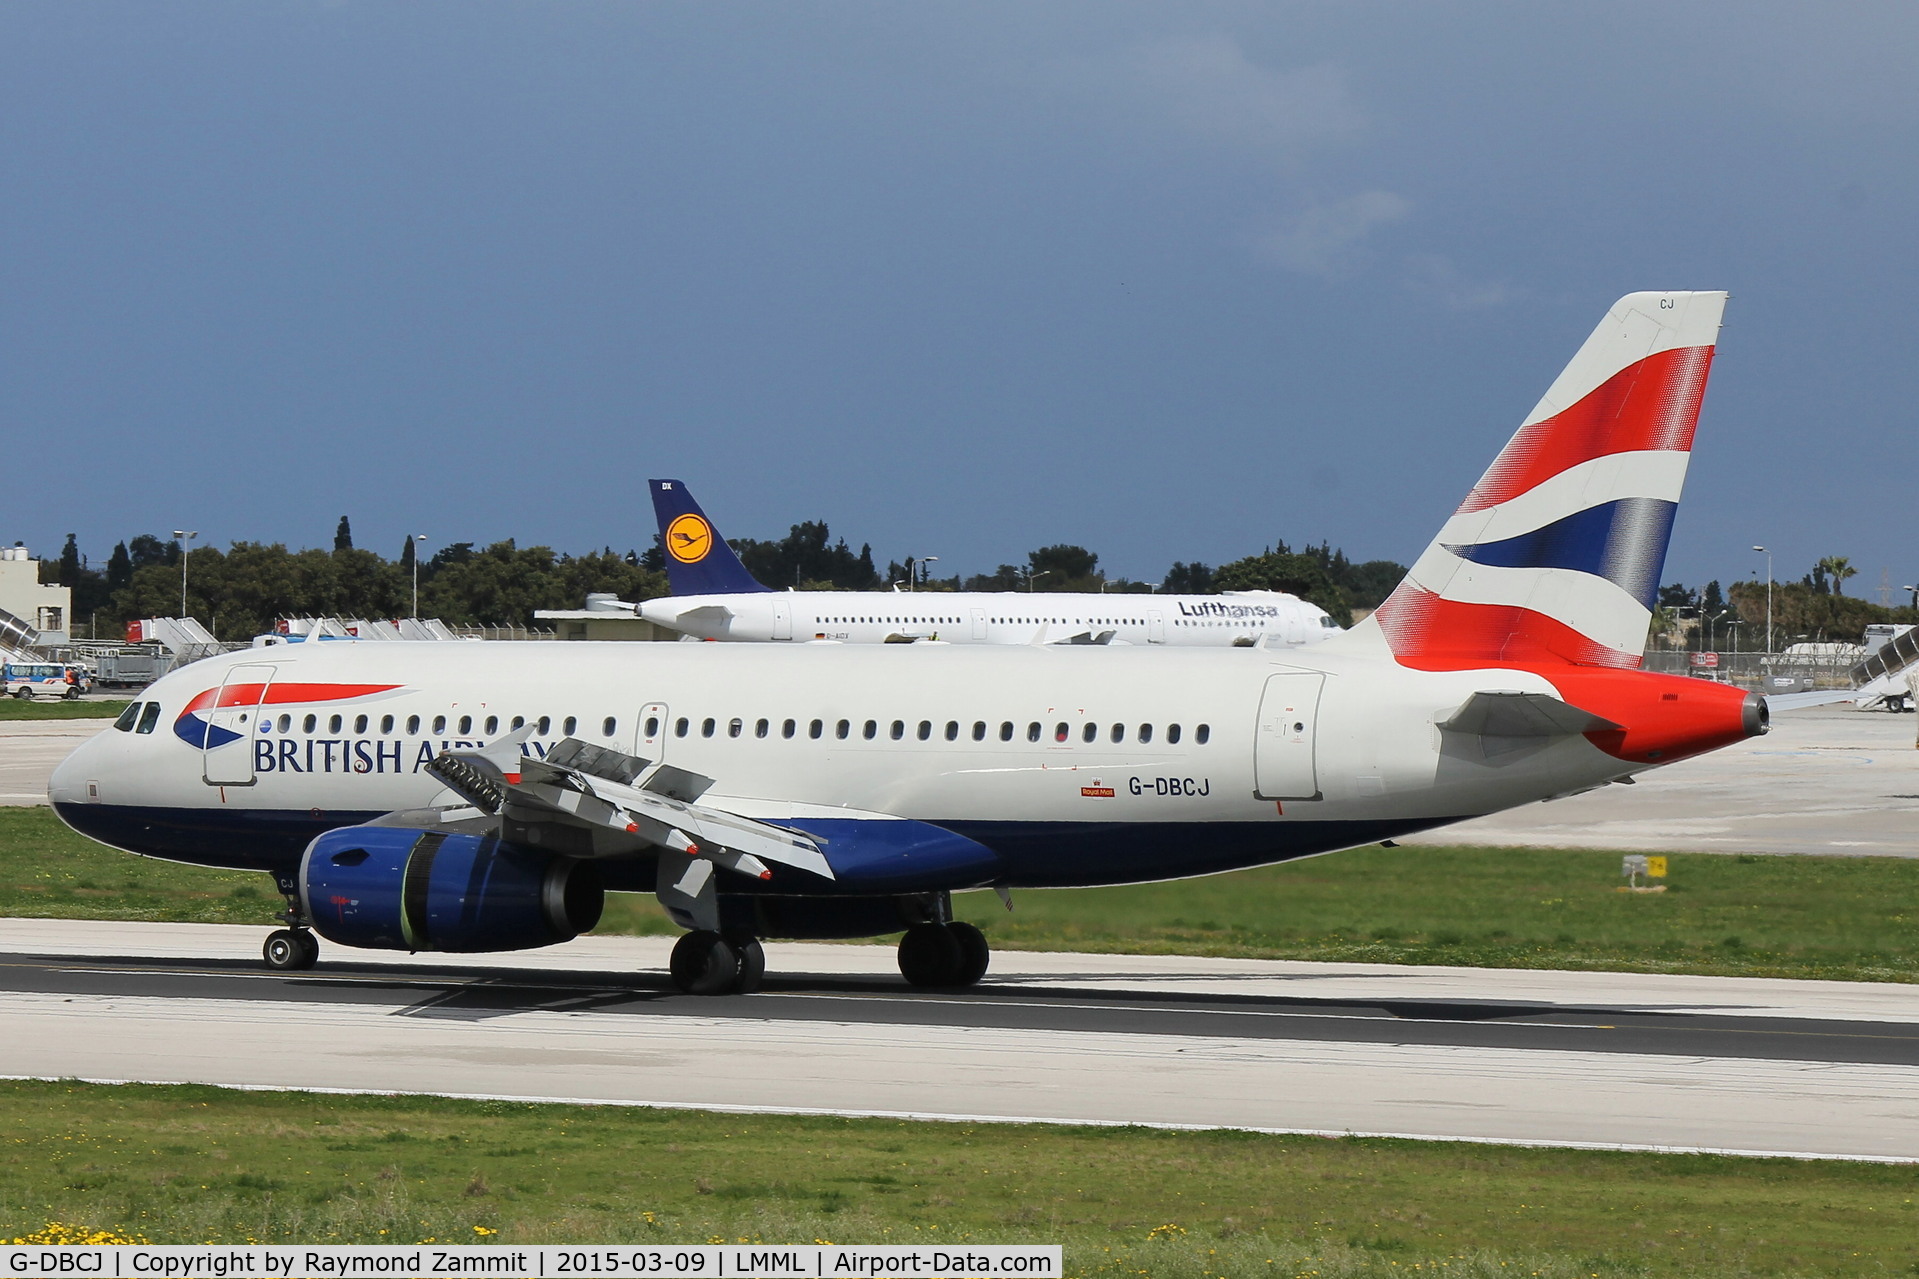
<point x="396" y="888"/>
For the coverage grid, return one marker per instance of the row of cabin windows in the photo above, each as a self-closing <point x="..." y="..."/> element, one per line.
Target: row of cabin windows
<point x="464" y="726"/>
<point x="870" y="729"/>
<point x="910" y="621"/>
<point x="997" y="621"/>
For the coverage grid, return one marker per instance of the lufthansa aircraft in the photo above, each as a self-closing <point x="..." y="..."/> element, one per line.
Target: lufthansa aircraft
<point x="715" y="598"/>
<point x="432" y="797"/>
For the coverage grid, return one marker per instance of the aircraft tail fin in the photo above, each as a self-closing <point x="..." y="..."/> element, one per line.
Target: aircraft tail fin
<point x="698" y="560"/>
<point x="1555" y="555"/>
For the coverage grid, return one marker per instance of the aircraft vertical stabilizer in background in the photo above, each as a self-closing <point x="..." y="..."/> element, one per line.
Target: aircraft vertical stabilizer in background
<point x="698" y="560"/>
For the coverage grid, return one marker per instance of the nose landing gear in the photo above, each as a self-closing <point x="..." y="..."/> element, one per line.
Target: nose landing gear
<point x="290" y="949"/>
<point x="293" y="948"/>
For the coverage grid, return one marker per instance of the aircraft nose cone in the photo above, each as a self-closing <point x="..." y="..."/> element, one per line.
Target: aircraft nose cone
<point x="68" y="785"/>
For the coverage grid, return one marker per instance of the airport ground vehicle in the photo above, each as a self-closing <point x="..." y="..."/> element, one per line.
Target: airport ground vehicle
<point x="42" y="679"/>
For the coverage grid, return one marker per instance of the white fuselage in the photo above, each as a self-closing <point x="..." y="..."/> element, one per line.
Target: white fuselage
<point x="1002" y="617"/>
<point x="1078" y="764"/>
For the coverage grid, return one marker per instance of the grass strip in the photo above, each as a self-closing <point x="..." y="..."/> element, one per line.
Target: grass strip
<point x="1845" y="918"/>
<point x="14" y="708"/>
<point x="189" y="1164"/>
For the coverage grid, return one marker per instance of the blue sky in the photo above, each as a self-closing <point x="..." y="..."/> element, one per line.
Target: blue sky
<point x="1168" y="281"/>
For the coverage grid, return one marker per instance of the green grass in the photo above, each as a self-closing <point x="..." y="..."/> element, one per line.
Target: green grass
<point x="186" y="1164"/>
<point x="1848" y="918"/>
<point x="14" y="708"/>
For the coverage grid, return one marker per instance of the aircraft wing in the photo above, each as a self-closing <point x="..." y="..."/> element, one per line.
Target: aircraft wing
<point x="589" y="801"/>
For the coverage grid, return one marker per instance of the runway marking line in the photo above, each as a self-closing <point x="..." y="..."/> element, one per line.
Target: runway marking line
<point x="735" y="1108"/>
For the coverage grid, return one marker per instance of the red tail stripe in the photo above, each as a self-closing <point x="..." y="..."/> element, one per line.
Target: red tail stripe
<point x="1428" y="633"/>
<point x="1651" y="404"/>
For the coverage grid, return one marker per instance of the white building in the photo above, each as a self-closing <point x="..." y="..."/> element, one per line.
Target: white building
<point x="47" y="609"/>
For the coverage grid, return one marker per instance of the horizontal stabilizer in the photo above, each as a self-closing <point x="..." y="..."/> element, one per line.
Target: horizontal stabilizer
<point x="1513" y="714"/>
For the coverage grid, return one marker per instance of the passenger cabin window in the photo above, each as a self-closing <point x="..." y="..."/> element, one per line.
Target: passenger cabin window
<point x="544" y="726"/>
<point x="1032" y="731"/>
<point x="926" y="730"/>
<point x="979" y="730"/>
<point x="952" y="730"/>
<point x="1006" y="731"/>
<point x="286" y="723"/>
<point x="386" y="724"/>
<point x="149" y="717"/>
<point x="570" y="725"/>
<point x="359" y="723"/>
<point x="814" y="729"/>
<point x="413" y="726"/>
<point x="788" y="728"/>
<point x="466" y="725"/>
<point x="760" y="728"/>
<point x="1203" y="734"/>
<point x="310" y="723"/>
<point x="333" y="724"/>
<point x="707" y="726"/>
<point x="1119" y="733"/>
<point x="1145" y="732"/>
<point x="439" y="724"/>
<point x="679" y="727"/>
<point x="492" y="725"/>
<point x="519" y="722"/>
<point x="735" y="726"/>
<point x="842" y="729"/>
<point x="1059" y="732"/>
<point x="871" y="730"/>
<point x="1172" y="734"/>
<point x="1090" y="732"/>
<point x="899" y="729"/>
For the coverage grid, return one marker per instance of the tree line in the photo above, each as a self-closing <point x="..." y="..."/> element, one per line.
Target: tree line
<point x="240" y="591"/>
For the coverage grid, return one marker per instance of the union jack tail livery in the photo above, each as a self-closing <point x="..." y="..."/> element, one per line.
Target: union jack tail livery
<point x="1555" y="555"/>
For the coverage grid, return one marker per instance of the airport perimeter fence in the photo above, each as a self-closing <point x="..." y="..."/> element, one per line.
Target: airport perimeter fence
<point x="1757" y="670"/>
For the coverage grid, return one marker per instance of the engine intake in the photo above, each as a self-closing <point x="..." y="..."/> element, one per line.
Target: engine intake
<point x="396" y="888"/>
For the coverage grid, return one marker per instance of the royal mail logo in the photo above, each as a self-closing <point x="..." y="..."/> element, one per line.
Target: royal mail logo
<point x="1096" y="792"/>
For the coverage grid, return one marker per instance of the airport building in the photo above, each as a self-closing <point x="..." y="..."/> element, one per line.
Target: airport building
<point x="46" y="609"/>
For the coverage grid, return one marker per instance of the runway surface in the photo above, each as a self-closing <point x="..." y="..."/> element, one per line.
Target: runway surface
<point x="1801" y="1068"/>
<point x="29" y="750"/>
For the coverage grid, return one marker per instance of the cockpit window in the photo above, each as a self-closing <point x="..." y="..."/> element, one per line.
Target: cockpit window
<point x="128" y="717"/>
<point x="149" y="718"/>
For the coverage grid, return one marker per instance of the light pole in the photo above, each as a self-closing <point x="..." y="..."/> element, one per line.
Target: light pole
<point x="185" y="536"/>
<point x="1915" y="595"/>
<point x="1768" y="554"/>
<point x="418" y="537"/>
<point x="1032" y="577"/>
<point x="919" y="569"/>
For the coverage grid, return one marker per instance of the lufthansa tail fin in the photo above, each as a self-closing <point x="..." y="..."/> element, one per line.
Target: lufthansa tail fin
<point x="1556" y="553"/>
<point x="698" y="560"/>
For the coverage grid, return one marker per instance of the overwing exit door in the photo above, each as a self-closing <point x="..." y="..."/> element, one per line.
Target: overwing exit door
<point x="226" y="749"/>
<point x="1283" y="748"/>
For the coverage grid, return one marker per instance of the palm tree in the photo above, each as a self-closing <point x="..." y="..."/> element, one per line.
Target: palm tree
<point x="1838" y="568"/>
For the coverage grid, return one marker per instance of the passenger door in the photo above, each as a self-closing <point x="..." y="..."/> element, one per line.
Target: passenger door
<point x="232" y="725"/>
<point x="1283" y="748"/>
<point x="1155" y="627"/>
<point x="782" y="618"/>
<point x="979" y="626"/>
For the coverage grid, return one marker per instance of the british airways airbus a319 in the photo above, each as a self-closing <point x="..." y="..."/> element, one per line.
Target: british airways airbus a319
<point x="715" y="598"/>
<point x="431" y="797"/>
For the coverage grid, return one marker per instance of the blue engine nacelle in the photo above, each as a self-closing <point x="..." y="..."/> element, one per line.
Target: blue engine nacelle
<point x="396" y="888"/>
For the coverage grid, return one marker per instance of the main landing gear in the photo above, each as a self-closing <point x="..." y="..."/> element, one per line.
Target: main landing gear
<point x="293" y="948"/>
<point x="951" y="954"/>
<point x="933" y="955"/>
<point x="708" y="963"/>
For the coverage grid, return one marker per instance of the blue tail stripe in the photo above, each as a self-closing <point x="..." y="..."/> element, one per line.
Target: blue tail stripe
<point x="698" y="560"/>
<point x="1623" y="542"/>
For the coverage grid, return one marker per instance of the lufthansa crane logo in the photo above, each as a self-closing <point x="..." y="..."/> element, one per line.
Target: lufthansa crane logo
<point x="688" y="539"/>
